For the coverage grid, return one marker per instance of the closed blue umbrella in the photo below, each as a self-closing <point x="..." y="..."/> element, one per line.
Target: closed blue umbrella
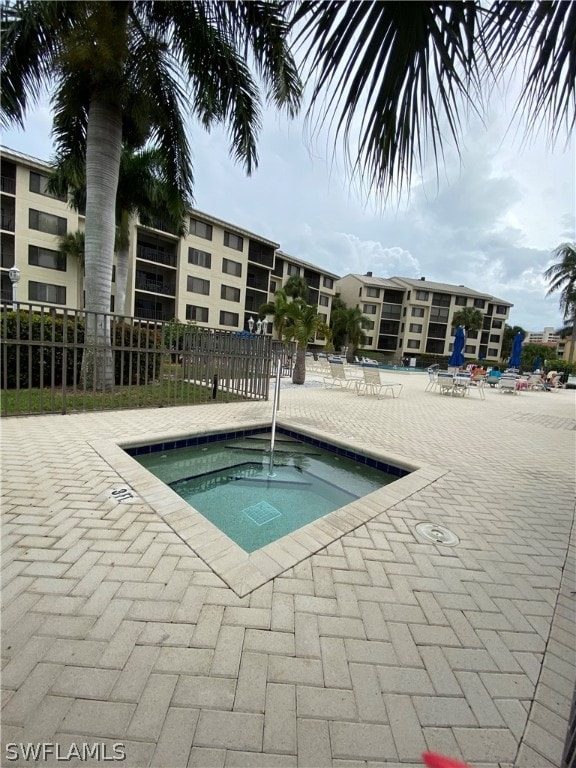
<point x="457" y="356"/>
<point x="516" y="358"/>
<point x="537" y="363"/>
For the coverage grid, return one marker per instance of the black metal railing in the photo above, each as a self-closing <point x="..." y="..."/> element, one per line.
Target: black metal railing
<point x="59" y="360"/>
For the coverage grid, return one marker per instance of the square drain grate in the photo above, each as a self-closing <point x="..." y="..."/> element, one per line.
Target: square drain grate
<point x="261" y="513"/>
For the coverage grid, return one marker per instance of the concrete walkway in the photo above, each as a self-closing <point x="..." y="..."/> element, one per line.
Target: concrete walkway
<point x="369" y="652"/>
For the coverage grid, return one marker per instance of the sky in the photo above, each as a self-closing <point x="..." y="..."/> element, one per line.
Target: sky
<point x="488" y="220"/>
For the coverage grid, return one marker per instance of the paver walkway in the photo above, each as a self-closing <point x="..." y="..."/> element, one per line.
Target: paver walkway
<point x="366" y="654"/>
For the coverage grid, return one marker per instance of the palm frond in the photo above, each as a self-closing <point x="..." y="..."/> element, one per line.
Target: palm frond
<point x="393" y="73"/>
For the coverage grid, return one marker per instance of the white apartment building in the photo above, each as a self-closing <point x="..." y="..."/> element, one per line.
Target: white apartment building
<point x="218" y="275"/>
<point x="410" y="317"/>
<point x="547" y="336"/>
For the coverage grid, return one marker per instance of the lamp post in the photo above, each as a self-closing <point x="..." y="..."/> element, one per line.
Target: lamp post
<point x="259" y="326"/>
<point x="264" y="326"/>
<point x="14" y="275"/>
<point x="250" y="323"/>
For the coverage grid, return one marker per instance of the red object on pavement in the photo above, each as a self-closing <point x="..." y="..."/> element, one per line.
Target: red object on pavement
<point x="432" y="760"/>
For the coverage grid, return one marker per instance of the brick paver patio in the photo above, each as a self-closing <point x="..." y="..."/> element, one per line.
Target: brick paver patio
<point x="374" y="649"/>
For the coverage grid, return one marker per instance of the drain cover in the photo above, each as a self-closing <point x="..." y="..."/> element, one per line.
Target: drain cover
<point x="262" y="513"/>
<point x="437" y="533"/>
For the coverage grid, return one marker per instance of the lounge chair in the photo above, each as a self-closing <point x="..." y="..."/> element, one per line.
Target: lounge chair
<point x="508" y="384"/>
<point x="338" y="377"/>
<point x="373" y="385"/>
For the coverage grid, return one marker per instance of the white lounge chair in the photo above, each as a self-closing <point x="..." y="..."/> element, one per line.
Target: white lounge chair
<point x="508" y="384"/>
<point x="373" y="385"/>
<point x="338" y="377"/>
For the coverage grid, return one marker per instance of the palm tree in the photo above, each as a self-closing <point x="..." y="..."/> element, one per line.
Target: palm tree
<point x="304" y="323"/>
<point x="470" y="317"/>
<point x="562" y="277"/>
<point x="144" y="190"/>
<point x="349" y="322"/>
<point x="279" y="311"/>
<point x="387" y="76"/>
<point x="127" y="70"/>
<point x="296" y="287"/>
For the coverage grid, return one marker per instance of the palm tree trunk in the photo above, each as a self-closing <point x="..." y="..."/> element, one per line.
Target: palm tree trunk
<point x="121" y="280"/>
<point x="299" y="372"/>
<point x="572" y="339"/>
<point x="103" y="149"/>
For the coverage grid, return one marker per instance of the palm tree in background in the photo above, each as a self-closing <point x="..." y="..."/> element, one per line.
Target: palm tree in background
<point x="470" y="317"/>
<point x="349" y="322"/>
<point x="304" y="323"/>
<point x="562" y="278"/>
<point x="296" y="287"/>
<point x="130" y="71"/>
<point x="392" y="78"/>
<point x="279" y="311"/>
<point x="145" y="191"/>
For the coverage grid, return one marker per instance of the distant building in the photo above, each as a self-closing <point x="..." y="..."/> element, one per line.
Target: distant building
<point x="410" y="317"/>
<point x="548" y="336"/>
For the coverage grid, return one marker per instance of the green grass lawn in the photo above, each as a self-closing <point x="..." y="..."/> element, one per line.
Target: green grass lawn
<point x="169" y="392"/>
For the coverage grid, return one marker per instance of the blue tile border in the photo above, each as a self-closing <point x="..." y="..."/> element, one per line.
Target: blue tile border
<point x="195" y="440"/>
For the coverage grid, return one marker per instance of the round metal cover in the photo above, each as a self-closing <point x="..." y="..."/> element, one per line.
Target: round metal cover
<point x="438" y="534"/>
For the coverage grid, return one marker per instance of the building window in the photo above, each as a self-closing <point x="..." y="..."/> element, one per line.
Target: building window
<point x="468" y="349"/>
<point x="327" y="282"/>
<point x="229" y="293"/>
<point x="200" y="229"/>
<point x="55" y="294"/>
<point x="492" y="352"/>
<point x="197" y="285"/>
<point x="369" y="309"/>
<point x="413" y="344"/>
<point x="230" y="267"/>
<point x="500" y="310"/>
<point x="417" y="312"/>
<point x="373" y="293"/>
<point x="272" y="286"/>
<point x="47" y="222"/>
<point x="39" y="183"/>
<point x="496" y="323"/>
<point x="229" y="318"/>
<point x="368" y="341"/>
<point x="415" y="328"/>
<point x="439" y="314"/>
<point x="199" y="258"/>
<point x="323" y="317"/>
<point x="233" y="241"/>
<point x="479" y="303"/>
<point x="292" y="269"/>
<point x="495" y="338"/>
<point x="44" y="257"/>
<point x="460" y="301"/>
<point x="324" y="301"/>
<point x="472" y="334"/>
<point x="422" y="295"/>
<point x="197" y="314"/>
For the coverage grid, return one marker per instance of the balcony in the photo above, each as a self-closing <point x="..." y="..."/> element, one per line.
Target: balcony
<point x="154" y="284"/>
<point x="157" y="255"/>
<point x="7" y="221"/>
<point x="8" y="185"/>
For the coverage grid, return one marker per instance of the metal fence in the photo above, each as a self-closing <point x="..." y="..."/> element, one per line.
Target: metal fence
<point x="59" y="360"/>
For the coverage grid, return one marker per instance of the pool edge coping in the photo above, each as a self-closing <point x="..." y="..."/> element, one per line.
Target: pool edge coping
<point x="241" y="571"/>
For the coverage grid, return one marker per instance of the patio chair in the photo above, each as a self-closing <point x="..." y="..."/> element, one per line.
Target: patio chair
<point x="338" y="378"/>
<point x="432" y="380"/>
<point x="535" y="382"/>
<point x="557" y="383"/>
<point x="508" y="384"/>
<point x="373" y="385"/>
<point x="445" y="382"/>
<point x="462" y="383"/>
